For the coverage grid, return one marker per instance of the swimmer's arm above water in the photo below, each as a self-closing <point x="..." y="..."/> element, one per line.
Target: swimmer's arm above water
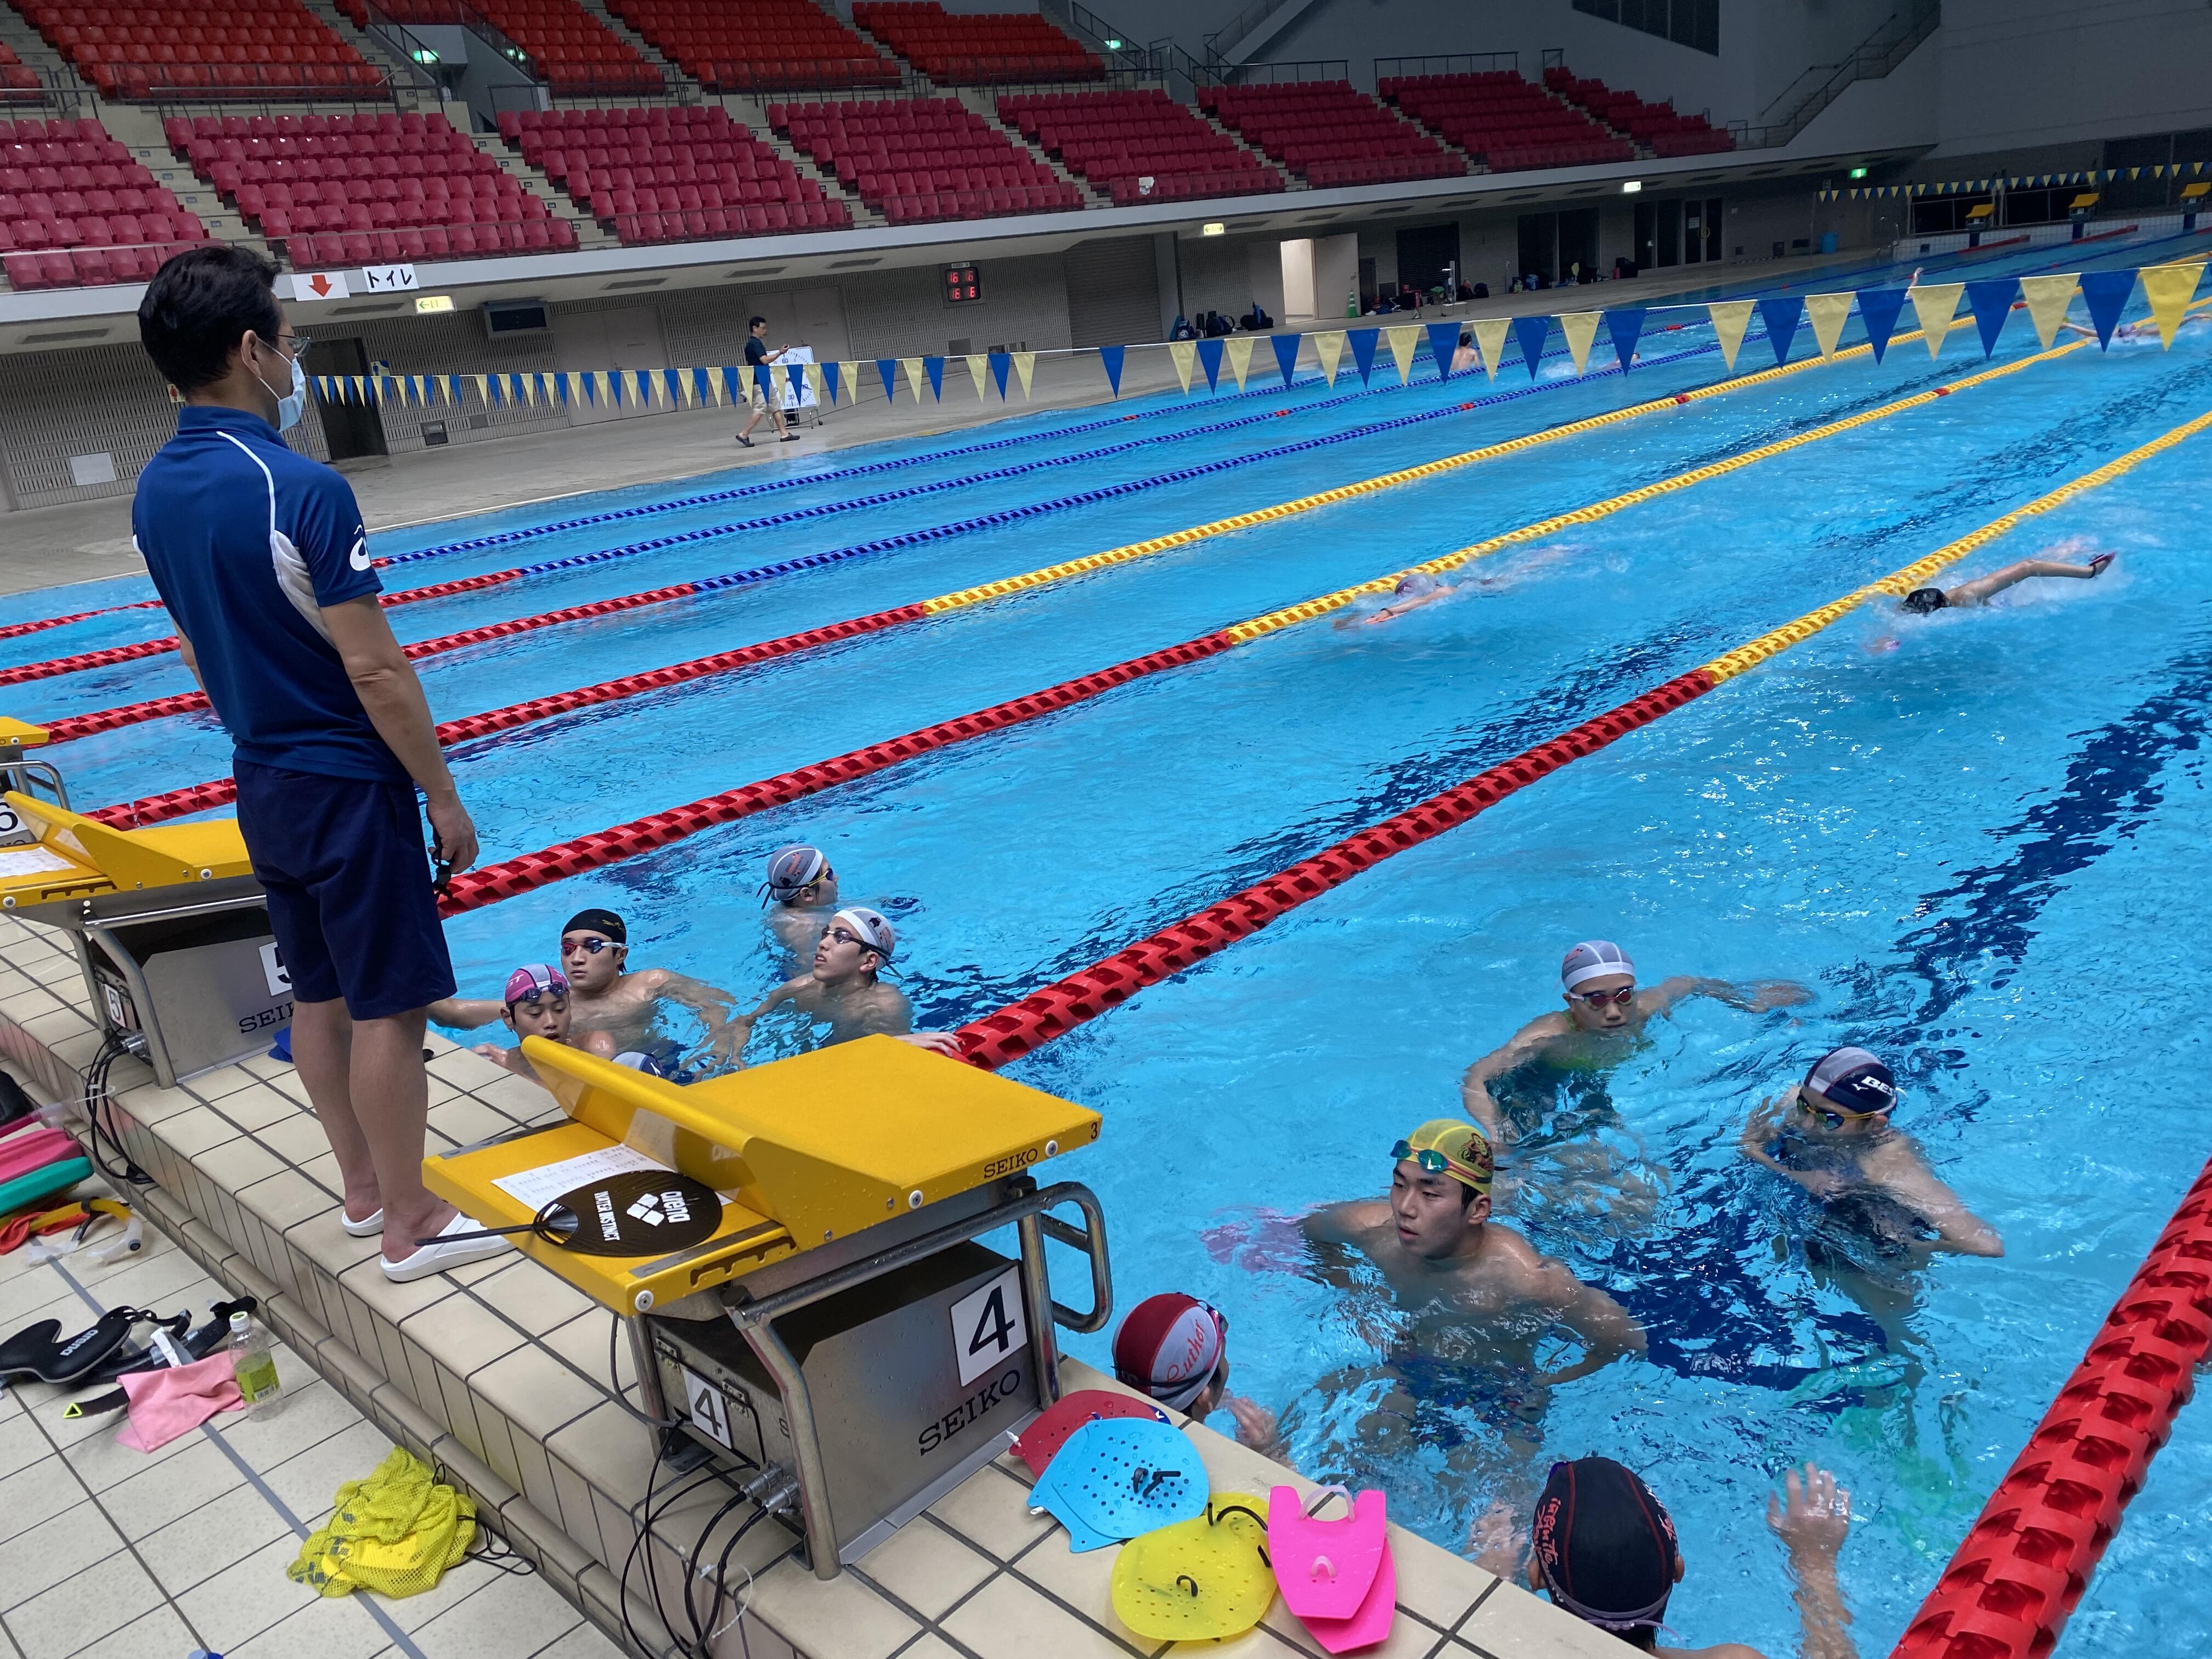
<point x="1755" y="998"/>
<point x="1474" y="1087"/>
<point x="1958" y="1231"/>
<point x="1605" y="1327"/>
<point x="709" y="1002"/>
<point x="1761" y="1127"/>
<point x="740" y="1029"/>
<point x="466" y="1013"/>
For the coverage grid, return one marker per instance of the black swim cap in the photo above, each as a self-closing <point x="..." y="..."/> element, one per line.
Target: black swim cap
<point x="1922" y="600"/>
<point x="1607" y="1546"/>
<point x="1853" y="1080"/>
<point x="597" y="921"/>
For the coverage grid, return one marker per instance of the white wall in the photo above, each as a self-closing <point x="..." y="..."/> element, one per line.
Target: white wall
<point x="2026" y="72"/>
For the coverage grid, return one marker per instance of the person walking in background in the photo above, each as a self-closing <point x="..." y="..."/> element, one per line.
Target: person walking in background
<point x="261" y="557"/>
<point x="757" y="358"/>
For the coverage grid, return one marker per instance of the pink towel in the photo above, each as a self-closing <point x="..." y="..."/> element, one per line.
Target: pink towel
<point x="22" y="1154"/>
<point x="175" y="1400"/>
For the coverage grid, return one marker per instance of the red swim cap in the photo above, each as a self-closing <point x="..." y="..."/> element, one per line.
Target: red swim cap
<point x="1169" y="1346"/>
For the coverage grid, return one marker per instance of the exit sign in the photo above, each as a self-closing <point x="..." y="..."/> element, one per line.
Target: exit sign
<point x="963" y="285"/>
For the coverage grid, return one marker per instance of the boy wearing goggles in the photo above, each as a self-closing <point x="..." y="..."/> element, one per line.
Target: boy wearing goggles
<point x="1831" y="1134"/>
<point x="608" y="1008"/>
<point x="843" y="989"/>
<point x="1605" y="1013"/>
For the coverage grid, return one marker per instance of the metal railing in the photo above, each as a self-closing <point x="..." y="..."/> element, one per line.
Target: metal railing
<point x="1143" y="189"/>
<point x="270" y="89"/>
<point x="1283" y="73"/>
<point x="1887" y="47"/>
<point x="458" y="14"/>
<point x="856" y="76"/>
<point x="327" y="250"/>
<point x="1458" y="63"/>
<point x="26" y="89"/>
<point x="410" y="49"/>
<point x="103" y="265"/>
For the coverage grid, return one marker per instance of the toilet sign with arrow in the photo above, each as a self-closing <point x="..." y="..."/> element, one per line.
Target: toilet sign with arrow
<point x="320" y="285"/>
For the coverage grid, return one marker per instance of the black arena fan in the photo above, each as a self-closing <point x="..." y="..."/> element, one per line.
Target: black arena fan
<point x="640" y="1212"/>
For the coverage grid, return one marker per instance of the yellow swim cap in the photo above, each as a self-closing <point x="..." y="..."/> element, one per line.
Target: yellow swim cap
<point x="1449" y="1146"/>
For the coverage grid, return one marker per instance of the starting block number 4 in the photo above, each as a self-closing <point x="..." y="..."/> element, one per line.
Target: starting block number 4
<point x="13" y="830"/>
<point x="989" y="1327"/>
<point x="710" y="1411"/>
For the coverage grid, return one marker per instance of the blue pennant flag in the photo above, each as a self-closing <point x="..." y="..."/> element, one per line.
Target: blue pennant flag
<point x="1782" y="317"/>
<point x="1530" y="332"/>
<point x="1111" y="356"/>
<point x="888" y="368"/>
<point x="796" y="373"/>
<point x="1624" y="325"/>
<point x="1001" y="362"/>
<point x="729" y="384"/>
<point x="645" y="385"/>
<point x="1991" y="303"/>
<point x="1286" y="354"/>
<point x="453" y="389"/>
<point x="1444" y="345"/>
<point x="762" y="383"/>
<point x="1209" y="359"/>
<point x="831" y="376"/>
<point x="2105" y="293"/>
<point x="934" y="367"/>
<point x="703" y="387"/>
<point x="1878" y="310"/>
<point x="1364" y="341"/>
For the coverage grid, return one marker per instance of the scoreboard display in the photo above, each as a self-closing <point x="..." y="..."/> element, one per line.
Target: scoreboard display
<point x="963" y="285"/>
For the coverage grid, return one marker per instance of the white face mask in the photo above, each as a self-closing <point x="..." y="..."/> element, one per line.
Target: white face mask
<point x="290" y="406"/>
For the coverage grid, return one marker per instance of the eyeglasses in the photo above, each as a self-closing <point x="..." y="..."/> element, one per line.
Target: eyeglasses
<point x="293" y="345"/>
<point x="1621" y="998"/>
<point x="591" y="945"/>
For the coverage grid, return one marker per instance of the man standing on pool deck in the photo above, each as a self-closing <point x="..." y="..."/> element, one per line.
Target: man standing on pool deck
<point x="260" y="555"/>
<point x="1605" y="1013"/>
<point x="757" y="358"/>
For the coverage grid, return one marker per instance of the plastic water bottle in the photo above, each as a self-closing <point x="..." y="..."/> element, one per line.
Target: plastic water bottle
<point x="254" y="1364"/>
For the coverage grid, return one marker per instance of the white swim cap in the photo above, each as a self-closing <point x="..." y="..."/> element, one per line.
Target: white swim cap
<point x="1593" y="958"/>
<point x="878" y="935"/>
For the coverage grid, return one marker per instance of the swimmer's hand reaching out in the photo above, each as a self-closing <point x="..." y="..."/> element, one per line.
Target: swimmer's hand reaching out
<point x="1256" y="1428"/>
<point x="1761" y="1128"/>
<point x="1813" y="1519"/>
<point x="936" y="1043"/>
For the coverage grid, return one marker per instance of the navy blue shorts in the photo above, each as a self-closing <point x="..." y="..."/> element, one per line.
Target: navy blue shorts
<point x="349" y="885"/>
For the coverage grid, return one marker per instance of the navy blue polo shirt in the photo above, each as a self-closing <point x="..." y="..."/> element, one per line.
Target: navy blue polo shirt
<point x="245" y="539"/>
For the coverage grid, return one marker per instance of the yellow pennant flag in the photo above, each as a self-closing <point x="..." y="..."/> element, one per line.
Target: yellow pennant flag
<point x="1581" y="328"/>
<point x="529" y="385"/>
<point x="1239" y="353"/>
<point x="1490" y="339"/>
<point x="1404" y="342"/>
<point x="2047" y="299"/>
<point x="1936" y="304"/>
<point x="978" y="370"/>
<point x="1731" y="319"/>
<point x="848" y="380"/>
<point x="359" y="395"/>
<point x="1025" y="365"/>
<point x="1827" y="313"/>
<point x="913" y="367"/>
<point x="1185" y="353"/>
<point x="483" y="388"/>
<point x="1329" y="348"/>
<point x="2168" y="288"/>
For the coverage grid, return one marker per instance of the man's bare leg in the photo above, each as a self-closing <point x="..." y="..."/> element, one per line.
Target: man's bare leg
<point x="379" y="1064"/>
<point x="1982" y="589"/>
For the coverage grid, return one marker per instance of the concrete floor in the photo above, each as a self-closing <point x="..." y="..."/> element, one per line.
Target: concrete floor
<point x="90" y="541"/>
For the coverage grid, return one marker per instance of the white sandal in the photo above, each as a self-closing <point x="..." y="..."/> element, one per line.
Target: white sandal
<point x="439" y="1255"/>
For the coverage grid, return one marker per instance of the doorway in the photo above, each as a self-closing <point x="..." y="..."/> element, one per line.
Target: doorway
<point x="1538" y="247"/>
<point x="1701" y="230"/>
<point x="597" y="340"/>
<point x="1424" y="254"/>
<point x="350" y="430"/>
<point x="1578" y="242"/>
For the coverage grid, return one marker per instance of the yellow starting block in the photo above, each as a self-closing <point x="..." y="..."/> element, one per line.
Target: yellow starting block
<point x="843" y="1328"/>
<point x="170" y="926"/>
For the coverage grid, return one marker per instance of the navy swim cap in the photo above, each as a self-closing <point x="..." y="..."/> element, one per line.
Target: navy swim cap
<point x="1922" y="600"/>
<point x="1607" y="1546"/>
<point x="1415" y="586"/>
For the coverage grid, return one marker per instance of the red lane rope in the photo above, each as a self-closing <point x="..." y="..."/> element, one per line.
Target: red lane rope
<point x="2023" y="1566"/>
<point x="221" y="791"/>
<point x="1042" y="1015"/>
<point x="494" y="882"/>
<point x="16" y="630"/>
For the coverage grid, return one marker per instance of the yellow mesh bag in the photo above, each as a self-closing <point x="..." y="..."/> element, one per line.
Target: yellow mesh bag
<point x="395" y="1532"/>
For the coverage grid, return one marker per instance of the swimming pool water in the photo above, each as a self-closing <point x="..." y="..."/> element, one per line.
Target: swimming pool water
<point x="1974" y="836"/>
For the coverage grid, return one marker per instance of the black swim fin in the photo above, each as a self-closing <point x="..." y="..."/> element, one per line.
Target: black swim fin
<point x="40" y="1353"/>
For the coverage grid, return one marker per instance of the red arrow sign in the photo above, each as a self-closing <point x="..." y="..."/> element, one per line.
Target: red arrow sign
<point x="321" y="284"/>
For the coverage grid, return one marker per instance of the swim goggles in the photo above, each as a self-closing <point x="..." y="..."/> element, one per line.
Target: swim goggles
<point x="591" y="945"/>
<point x="847" y="936"/>
<point x="1624" y="996"/>
<point x="1836" y="1120"/>
<point x="1434" y="1162"/>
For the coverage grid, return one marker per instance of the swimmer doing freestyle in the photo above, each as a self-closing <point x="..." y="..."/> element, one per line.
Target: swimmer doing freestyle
<point x="1605" y="1014"/>
<point x="1475" y="1290"/>
<point x="606" y="1002"/>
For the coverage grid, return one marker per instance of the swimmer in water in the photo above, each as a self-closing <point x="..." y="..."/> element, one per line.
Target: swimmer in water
<point x="1980" y="591"/>
<point x="1413" y="592"/>
<point x="2146" y="329"/>
<point x="1604" y="1549"/>
<point x="802" y="893"/>
<point x="843" y="990"/>
<point x="537" y="1005"/>
<point x="1466" y="356"/>
<point x="1473" y="1292"/>
<point x="1175" y="1348"/>
<point x="603" y="1000"/>
<point x="1604" y="1016"/>
<point x="1831" y="1135"/>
